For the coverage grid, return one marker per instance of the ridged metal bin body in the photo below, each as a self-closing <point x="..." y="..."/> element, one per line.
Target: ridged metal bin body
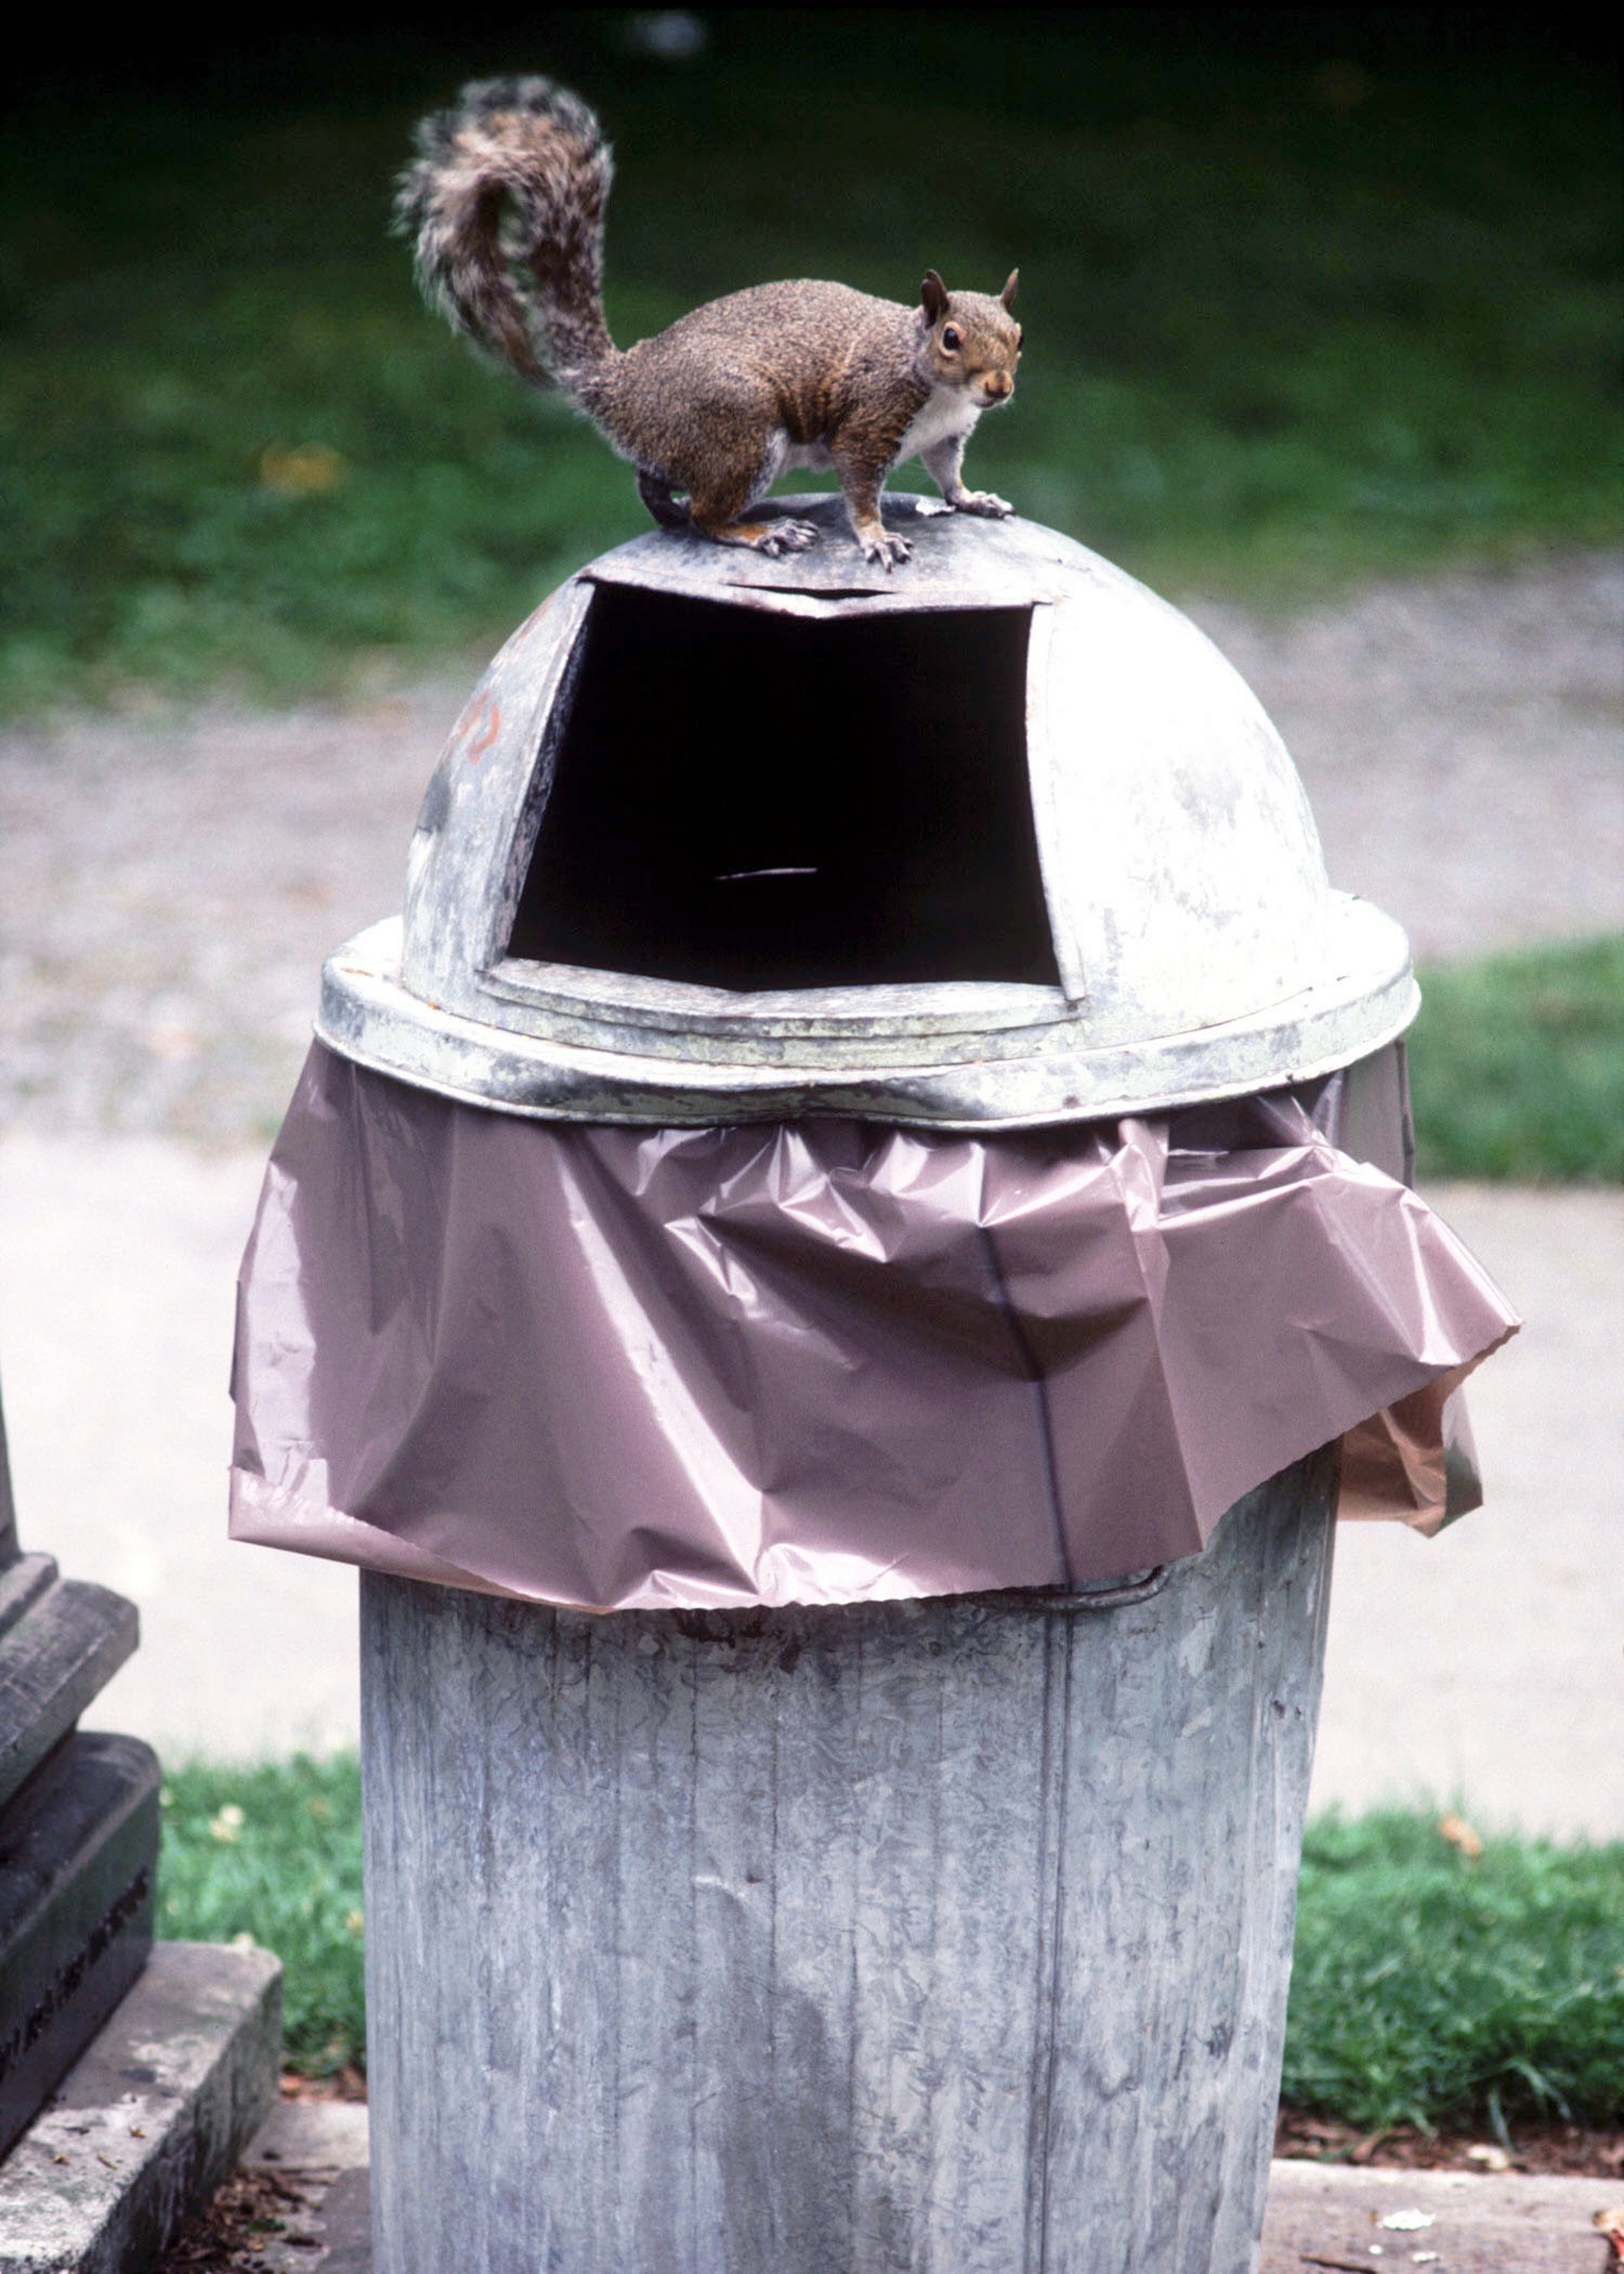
<point x="934" y="1937"/>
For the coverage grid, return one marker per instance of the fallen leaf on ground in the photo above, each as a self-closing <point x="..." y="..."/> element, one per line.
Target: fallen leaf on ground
<point x="1363" y="2150"/>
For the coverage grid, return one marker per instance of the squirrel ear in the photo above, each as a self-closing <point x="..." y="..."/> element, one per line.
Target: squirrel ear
<point x="1008" y="294"/>
<point x="933" y="295"/>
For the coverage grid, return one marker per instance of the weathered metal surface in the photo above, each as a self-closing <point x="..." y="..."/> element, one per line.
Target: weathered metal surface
<point x="1199" y="948"/>
<point x="940" y="1938"/>
<point x="78" y="1858"/>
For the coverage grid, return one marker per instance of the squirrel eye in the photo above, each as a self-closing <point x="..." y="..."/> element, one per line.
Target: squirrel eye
<point x="951" y="339"/>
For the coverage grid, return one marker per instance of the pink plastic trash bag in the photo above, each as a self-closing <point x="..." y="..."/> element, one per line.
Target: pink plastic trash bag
<point x="826" y="1361"/>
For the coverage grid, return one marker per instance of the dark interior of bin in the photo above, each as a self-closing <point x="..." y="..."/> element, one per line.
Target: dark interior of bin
<point x="751" y="801"/>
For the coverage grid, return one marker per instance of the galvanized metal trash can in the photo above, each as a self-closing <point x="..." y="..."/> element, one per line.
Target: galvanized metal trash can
<point x="950" y="1936"/>
<point x="944" y="1935"/>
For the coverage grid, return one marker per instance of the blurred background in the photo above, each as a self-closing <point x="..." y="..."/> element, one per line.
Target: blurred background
<point x="1323" y="340"/>
<point x="1310" y="294"/>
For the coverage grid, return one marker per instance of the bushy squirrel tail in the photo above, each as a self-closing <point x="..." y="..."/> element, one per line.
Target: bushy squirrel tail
<point x="506" y="201"/>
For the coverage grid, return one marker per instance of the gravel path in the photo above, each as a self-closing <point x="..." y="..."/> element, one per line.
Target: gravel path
<point x="1462" y="743"/>
<point x="169" y="885"/>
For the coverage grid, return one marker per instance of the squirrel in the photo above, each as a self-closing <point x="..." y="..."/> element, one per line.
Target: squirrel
<point x="506" y="202"/>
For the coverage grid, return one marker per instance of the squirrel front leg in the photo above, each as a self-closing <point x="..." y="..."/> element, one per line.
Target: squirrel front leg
<point x="943" y="463"/>
<point x="862" y="480"/>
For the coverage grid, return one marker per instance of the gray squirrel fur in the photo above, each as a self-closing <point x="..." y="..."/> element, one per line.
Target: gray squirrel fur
<point x="506" y="203"/>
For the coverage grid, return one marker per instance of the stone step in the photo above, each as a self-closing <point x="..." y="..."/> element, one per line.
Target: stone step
<point x="78" y="1858"/>
<point x="150" y="2121"/>
<point x="63" y="1648"/>
<point x="21" y="1585"/>
<point x="8" y="1511"/>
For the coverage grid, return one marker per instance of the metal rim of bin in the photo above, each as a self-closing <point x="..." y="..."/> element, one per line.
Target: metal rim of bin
<point x="368" y="1016"/>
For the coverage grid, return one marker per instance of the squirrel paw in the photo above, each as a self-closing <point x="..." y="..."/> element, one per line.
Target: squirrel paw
<point x="780" y="536"/>
<point x="885" y="548"/>
<point x="983" y="503"/>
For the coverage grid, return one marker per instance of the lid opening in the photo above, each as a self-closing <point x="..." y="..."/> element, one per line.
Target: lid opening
<point x="755" y="801"/>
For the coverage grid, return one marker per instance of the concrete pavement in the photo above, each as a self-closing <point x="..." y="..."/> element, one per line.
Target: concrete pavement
<point x="118" y="1271"/>
<point x="1485" y="1666"/>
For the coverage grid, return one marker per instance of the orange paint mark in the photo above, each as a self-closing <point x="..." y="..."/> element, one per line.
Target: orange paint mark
<point x="534" y="619"/>
<point x="489" y="735"/>
<point x="473" y="712"/>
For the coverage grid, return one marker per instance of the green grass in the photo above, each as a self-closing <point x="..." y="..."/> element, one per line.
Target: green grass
<point x="274" y="1853"/>
<point x="1288" y="321"/>
<point x="1431" y="1987"/>
<point x="1434" y="1988"/>
<point x="1517" y="1067"/>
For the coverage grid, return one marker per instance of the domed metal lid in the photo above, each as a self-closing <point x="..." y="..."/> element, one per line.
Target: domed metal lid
<point x="998" y="840"/>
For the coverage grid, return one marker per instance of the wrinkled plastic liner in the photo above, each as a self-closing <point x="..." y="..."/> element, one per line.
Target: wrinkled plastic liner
<point x="827" y="1361"/>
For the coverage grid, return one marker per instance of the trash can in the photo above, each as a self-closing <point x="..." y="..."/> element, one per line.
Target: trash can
<point x="831" y="1271"/>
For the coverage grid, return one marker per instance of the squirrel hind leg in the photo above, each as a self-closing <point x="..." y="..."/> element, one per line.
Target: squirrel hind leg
<point x="717" y="507"/>
<point x="658" y="493"/>
<point x="772" y="537"/>
<point x="660" y="497"/>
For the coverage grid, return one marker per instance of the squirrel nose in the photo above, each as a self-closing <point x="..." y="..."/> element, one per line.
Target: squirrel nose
<point x="998" y="385"/>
